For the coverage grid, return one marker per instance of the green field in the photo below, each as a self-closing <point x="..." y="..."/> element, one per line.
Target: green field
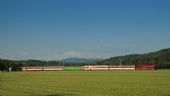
<point x="86" y="83"/>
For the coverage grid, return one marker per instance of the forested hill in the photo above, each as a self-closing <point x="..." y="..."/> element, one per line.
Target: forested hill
<point x="159" y="58"/>
<point x="80" y="60"/>
<point x="156" y="58"/>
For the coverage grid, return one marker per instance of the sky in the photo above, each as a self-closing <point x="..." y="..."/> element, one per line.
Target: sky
<point x="57" y="29"/>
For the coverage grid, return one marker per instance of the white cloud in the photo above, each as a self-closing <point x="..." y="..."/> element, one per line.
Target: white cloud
<point x="67" y="54"/>
<point x="53" y="56"/>
<point x="7" y="56"/>
<point x="74" y="54"/>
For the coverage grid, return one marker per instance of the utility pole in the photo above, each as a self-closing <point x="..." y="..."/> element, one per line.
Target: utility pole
<point x="63" y="64"/>
<point x="120" y="62"/>
<point x="24" y="63"/>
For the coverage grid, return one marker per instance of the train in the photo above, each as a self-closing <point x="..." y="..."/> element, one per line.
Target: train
<point x="42" y="68"/>
<point x="88" y="67"/>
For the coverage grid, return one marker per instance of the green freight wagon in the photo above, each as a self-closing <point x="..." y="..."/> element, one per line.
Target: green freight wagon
<point x="72" y="68"/>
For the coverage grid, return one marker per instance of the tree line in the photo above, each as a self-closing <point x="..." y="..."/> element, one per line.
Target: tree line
<point x="14" y="65"/>
<point x="9" y="65"/>
<point x="159" y="58"/>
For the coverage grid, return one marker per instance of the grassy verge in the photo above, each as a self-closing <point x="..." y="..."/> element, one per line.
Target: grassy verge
<point x="86" y="83"/>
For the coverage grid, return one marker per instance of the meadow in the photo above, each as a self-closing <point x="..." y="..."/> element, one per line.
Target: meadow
<point x="86" y="83"/>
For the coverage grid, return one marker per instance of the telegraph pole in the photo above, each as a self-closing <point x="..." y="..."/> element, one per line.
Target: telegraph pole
<point x="120" y="62"/>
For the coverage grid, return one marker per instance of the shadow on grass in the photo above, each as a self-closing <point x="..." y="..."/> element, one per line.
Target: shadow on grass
<point x="70" y="94"/>
<point x="55" y="95"/>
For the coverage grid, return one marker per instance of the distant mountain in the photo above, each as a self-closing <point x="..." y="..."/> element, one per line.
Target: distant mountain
<point x="156" y="58"/>
<point x="159" y="58"/>
<point x="80" y="60"/>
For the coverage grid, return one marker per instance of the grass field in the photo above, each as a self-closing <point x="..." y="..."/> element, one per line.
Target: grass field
<point x="86" y="83"/>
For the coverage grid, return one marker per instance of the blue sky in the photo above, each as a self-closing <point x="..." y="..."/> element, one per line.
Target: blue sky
<point x="57" y="29"/>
